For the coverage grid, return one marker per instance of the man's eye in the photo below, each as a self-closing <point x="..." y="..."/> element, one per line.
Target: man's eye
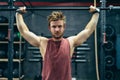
<point x="54" y="26"/>
<point x="59" y="26"/>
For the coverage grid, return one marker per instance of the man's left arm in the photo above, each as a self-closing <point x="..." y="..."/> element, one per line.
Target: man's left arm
<point x="89" y="29"/>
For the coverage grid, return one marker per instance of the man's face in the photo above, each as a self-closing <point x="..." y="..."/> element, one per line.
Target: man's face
<point x="57" y="29"/>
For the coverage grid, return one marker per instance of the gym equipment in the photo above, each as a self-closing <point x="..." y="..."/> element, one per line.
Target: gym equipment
<point x="2" y="35"/>
<point x="111" y="7"/>
<point x="109" y="60"/>
<point x="110" y="31"/>
<point x="1" y="72"/>
<point x="6" y="73"/>
<point x="18" y="55"/>
<point x="109" y="46"/>
<point x="109" y="75"/>
<point x="16" y="35"/>
<point x="15" y="73"/>
<point x="3" y="19"/>
<point x="2" y="54"/>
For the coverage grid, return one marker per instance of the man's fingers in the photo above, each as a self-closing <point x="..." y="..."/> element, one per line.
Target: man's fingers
<point x="21" y="10"/>
<point x="93" y="9"/>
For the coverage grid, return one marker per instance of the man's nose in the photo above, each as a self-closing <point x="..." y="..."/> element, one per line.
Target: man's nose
<point x="57" y="29"/>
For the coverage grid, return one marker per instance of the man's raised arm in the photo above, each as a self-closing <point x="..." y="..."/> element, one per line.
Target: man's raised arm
<point x="89" y="29"/>
<point x="23" y="29"/>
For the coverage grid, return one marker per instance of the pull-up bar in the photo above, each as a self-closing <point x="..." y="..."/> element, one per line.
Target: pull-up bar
<point x="61" y="8"/>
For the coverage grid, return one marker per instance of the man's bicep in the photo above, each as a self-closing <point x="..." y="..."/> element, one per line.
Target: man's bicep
<point x="32" y="38"/>
<point x="80" y="37"/>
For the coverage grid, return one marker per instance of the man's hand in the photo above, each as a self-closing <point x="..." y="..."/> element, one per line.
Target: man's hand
<point x="93" y="9"/>
<point x="21" y="10"/>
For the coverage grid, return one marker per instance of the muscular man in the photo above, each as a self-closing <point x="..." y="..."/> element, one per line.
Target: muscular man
<point x="57" y="51"/>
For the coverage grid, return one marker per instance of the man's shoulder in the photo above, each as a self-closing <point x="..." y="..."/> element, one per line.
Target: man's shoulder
<point x="44" y="39"/>
<point x="71" y="38"/>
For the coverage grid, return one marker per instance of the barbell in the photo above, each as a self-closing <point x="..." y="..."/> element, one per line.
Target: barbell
<point x="111" y="7"/>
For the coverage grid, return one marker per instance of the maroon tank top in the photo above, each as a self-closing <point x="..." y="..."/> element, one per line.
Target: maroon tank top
<point x="57" y="61"/>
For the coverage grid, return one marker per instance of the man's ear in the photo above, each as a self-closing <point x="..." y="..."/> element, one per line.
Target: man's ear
<point x="48" y="27"/>
<point x="64" y="25"/>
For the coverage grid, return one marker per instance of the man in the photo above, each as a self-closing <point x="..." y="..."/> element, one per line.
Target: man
<point x="56" y="51"/>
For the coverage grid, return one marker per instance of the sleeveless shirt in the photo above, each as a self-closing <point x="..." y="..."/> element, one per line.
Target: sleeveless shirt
<point x="57" y="61"/>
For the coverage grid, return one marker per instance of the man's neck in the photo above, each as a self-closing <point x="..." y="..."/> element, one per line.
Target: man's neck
<point x="54" y="39"/>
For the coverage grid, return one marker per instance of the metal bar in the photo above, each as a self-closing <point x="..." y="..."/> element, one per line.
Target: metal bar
<point x="102" y="53"/>
<point x="33" y="48"/>
<point x="61" y="8"/>
<point x="10" y="41"/>
<point x="82" y="48"/>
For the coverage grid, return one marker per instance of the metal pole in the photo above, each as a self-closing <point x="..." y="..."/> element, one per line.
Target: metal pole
<point x="102" y="55"/>
<point x="60" y="8"/>
<point x="10" y="41"/>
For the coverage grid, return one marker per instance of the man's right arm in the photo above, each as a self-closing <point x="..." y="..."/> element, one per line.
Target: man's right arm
<point x="24" y="31"/>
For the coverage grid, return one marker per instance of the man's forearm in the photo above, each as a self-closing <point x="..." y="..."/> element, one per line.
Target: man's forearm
<point x="20" y="23"/>
<point x="93" y="23"/>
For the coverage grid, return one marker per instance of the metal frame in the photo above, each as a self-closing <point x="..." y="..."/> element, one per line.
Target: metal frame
<point x="10" y="41"/>
<point x="102" y="55"/>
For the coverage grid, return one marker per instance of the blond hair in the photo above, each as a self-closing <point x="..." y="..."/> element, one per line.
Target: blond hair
<point x="56" y="15"/>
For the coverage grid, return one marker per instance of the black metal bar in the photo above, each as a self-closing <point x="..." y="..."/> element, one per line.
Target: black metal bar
<point x="10" y="41"/>
<point x="60" y="8"/>
<point x="102" y="53"/>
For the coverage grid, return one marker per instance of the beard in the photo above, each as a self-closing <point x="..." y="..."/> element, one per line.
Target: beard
<point x="57" y="36"/>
